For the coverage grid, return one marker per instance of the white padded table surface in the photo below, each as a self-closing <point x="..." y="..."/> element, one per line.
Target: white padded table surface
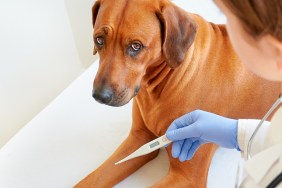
<point x="74" y="135"/>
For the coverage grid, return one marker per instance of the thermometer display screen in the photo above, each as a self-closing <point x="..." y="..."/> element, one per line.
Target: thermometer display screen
<point x="154" y="144"/>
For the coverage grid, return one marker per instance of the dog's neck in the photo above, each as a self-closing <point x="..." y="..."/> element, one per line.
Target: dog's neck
<point x="155" y="74"/>
<point x="158" y="73"/>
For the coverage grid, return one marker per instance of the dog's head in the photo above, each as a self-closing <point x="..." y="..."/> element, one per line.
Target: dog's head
<point x="129" y="36"/>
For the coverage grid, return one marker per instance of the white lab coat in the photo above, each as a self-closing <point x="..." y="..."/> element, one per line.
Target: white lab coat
<point x="266" y="161"/>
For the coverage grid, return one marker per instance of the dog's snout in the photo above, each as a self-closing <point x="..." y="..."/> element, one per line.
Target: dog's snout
<point x="102" y="95"/>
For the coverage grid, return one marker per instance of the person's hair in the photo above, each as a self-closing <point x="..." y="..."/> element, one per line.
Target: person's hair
<point x="258" y="17"/>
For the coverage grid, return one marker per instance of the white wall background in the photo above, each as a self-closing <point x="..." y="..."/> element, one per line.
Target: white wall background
<point x="205" y="8"/>
<point x="79" y="13"/>
<point x="44" y="45"/>
<point x="38" y="56"/>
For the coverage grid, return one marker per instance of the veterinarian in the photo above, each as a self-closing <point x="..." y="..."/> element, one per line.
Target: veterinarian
<point x="255" y="30"/>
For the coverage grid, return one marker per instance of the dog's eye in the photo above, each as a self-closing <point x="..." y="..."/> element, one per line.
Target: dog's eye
<point x="99" y="41"/>
<point x="136" y="46"/>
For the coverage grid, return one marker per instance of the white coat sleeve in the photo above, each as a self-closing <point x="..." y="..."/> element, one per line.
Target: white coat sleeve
<point x="246" y="127"/>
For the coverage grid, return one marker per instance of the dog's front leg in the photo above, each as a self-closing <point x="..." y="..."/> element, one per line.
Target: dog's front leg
<point x="109" y="174"/>
<point x="191" y="173"/>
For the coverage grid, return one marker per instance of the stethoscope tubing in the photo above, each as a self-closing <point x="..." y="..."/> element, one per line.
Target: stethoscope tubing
<point x="273" y="107"/>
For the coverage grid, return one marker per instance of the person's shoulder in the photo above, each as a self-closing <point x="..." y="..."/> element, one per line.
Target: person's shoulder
<point x="279" y="111"/>
<point x="277" y="117"/>
<point x="274" y="132"/>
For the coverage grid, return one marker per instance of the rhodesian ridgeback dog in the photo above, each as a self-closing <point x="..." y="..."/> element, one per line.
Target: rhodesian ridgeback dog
<point x="171" y="62"/>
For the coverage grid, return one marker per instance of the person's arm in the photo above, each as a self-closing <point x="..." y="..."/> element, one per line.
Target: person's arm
<point x="246" y="127"/>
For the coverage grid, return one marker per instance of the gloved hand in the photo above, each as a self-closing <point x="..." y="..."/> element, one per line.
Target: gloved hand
<point x="198" y="127"/>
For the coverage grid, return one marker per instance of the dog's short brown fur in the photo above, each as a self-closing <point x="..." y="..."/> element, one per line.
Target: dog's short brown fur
<point x="185" y="64"/>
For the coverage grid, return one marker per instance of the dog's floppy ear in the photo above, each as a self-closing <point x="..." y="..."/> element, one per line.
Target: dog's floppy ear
<point x="95" y="10"/>
<point x="178" y="33"/>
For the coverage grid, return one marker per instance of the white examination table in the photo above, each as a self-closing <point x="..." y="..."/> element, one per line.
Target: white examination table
<point x="74" y="134"/>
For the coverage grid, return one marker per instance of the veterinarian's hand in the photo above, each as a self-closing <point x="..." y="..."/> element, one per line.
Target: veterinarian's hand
<point x="192" y="130"/>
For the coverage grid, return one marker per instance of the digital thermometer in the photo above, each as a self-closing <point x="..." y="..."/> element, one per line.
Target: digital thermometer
<point x="148" y="148"/>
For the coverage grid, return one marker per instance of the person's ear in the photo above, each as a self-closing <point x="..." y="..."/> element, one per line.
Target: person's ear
<point x="279" y="61"/>
<point x="279" y="56"/>
<point x="277" y="46"/>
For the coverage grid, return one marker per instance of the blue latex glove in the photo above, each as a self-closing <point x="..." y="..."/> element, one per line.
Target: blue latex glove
<point x="192" y="130"/>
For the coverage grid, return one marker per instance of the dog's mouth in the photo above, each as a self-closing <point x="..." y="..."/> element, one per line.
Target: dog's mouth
<point x="108" y="97"/>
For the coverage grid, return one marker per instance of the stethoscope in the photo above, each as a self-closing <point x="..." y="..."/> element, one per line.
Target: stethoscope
<point x="278" y="179"/>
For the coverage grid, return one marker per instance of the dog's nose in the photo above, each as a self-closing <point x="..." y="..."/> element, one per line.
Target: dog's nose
<point x="102" y="95"/>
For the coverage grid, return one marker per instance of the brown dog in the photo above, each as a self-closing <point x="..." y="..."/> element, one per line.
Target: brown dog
<point x="173" y="62"/>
